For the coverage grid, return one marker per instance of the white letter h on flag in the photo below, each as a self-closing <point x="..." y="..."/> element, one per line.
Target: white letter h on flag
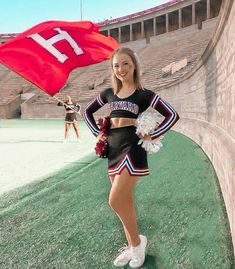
<point x="48" y="44"/>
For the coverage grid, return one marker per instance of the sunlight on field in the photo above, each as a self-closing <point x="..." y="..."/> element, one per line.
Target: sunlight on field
<point x="32" y="149"/>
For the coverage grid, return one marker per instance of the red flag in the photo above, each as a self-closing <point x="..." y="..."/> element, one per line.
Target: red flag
<point x="49" y="51"/>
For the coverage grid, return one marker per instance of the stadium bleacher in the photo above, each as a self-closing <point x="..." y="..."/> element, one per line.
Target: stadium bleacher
<point x="84" y="83"/>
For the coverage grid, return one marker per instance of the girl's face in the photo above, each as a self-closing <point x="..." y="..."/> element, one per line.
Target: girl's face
<point x="123" y="67"/>
<point x="68" y="99"/>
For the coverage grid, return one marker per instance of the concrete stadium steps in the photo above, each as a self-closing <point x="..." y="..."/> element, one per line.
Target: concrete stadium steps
<point x="10" y="81"/>
<point x="138" y="46"/>
<point x="3" y="72"/>
<point x="11" y="88"/>
<point x="12" y="85"/>
<point x="173" y="47"/>
<point x="85" y="83"/>
<point x="7" y="99"/>
<point x="184" y="44"/>
<point x="155" y="80"/>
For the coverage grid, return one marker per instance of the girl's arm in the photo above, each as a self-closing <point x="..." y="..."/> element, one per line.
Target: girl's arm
<point x="166" y="110"/>
<point x="90" y="109"/>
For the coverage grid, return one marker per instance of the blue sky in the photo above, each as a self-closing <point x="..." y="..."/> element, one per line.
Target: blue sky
<point x="19" y="15"/>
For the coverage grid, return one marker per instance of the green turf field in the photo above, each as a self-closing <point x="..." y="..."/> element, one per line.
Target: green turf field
<point x="64" y="221"/>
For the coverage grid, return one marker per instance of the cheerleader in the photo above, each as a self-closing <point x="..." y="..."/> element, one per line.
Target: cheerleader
<point x="127" y="160"/>
<point x="70" y="116"/>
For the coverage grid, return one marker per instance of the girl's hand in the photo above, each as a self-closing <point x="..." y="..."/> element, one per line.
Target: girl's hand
<point x="101" y="136"/>
<point x="145" y="137"/>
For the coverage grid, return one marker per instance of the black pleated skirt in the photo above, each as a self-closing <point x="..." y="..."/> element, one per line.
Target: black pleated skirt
<point x="124" y="152"/>
<point x="70" y="117"/>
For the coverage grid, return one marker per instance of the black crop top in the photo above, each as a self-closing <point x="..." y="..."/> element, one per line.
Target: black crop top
<point x="131" y="107"/>
<point x="73" y="106"/>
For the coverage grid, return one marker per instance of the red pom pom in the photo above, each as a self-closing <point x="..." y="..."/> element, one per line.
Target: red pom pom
<point x="104" y="124"/>
<point x="101" y="148"/>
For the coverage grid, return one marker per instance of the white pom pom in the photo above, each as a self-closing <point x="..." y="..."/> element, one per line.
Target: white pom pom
<point x="152" y="146"/>
<point x="145" y="124"/>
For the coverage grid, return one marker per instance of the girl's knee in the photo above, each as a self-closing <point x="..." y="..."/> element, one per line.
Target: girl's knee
<point x="118" y="201"/>
<point x="114" y="202"/>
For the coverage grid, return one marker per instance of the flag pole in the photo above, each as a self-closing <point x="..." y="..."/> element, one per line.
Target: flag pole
<point x="62" y="102"/>
<point x="81" y="9"/>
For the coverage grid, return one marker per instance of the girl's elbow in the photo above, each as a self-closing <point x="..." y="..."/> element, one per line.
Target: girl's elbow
<point x="177" y="117"/>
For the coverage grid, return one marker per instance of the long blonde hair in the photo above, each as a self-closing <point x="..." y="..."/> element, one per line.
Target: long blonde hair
<point x="68" y="99"/>
<point x="116" y="83"/>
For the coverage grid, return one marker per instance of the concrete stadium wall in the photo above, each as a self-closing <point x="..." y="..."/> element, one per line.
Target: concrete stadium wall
<point x="32" y="110"/>
<point x="40" y="111"/>
<point x="11" y="109"/>
<point x="205" y="99"/>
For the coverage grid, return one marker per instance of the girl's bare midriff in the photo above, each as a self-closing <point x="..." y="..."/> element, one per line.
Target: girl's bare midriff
<point x="121" y="122"/>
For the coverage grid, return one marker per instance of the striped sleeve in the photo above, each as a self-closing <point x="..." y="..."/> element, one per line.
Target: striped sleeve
<point x="90" y="109"/>
<point x="171" y="116"/>
<point x="78" y="107"/>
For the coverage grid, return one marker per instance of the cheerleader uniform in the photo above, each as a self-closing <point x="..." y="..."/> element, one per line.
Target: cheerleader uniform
<point x="123" y="148"/>
<point x="70" y="117"/>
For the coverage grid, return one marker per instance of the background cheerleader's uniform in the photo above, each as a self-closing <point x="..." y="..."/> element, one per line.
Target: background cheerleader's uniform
<point x="124" y="151"/>
<point x="70" y="117"/>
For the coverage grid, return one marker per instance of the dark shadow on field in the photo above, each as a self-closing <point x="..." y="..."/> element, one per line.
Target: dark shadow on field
<point x="150" y="263"/>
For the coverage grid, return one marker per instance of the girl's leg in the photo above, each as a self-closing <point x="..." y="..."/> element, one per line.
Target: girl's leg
<point x="125" y="230"/>
<point x="75" y="127"/>
<point x="121" y="201"/>
<point x="66" y="130"/>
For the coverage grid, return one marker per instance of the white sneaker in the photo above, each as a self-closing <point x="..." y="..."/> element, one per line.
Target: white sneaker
<point x="65" y="141"/>
<point x="124" y="257"/>
<point x="138" y="253"/>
